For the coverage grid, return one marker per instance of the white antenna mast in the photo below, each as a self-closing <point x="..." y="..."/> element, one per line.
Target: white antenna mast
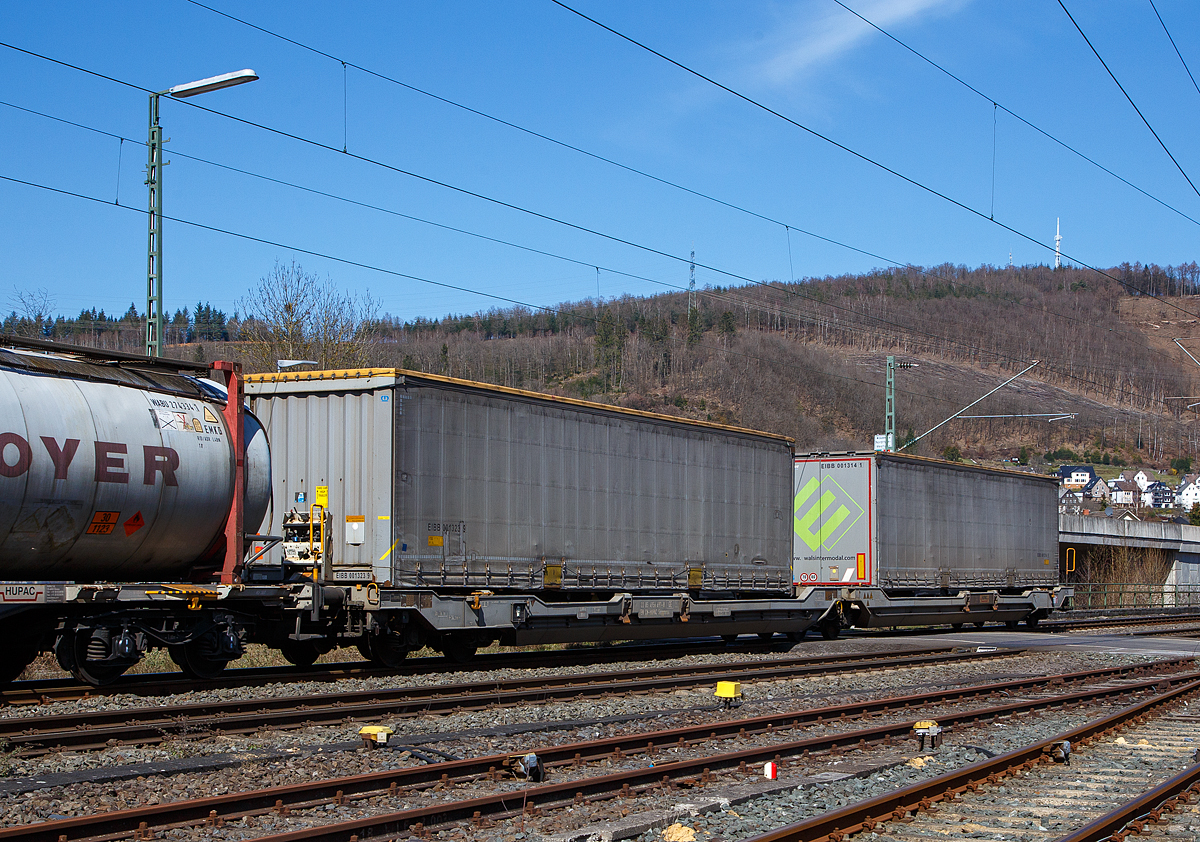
<point x="1058" y="243"/>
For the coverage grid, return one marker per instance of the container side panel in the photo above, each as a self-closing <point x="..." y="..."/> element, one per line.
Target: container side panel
<point x="609" y="501"/>
<point x="942" y="526"/>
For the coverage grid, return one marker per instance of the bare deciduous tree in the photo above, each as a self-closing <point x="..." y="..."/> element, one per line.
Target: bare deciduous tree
<point x="33" y="312"/>
<point x="293" y="314"/>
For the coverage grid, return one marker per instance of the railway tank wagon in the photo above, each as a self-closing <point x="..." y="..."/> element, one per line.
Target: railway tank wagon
<point x="471" y="513"/>
<point x="120" y="469"/>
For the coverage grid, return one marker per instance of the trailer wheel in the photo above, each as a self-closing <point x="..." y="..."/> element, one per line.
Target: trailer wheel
<point x="302" y="653"/>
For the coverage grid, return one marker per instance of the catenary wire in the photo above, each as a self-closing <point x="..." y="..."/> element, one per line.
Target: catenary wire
<point x="1012" y="113"/>
<point x="1128" y="97"/>
<point x="864" y="321"/>
<point x="1176" y="48"/>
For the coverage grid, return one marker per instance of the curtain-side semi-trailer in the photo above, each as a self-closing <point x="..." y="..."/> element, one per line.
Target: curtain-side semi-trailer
<point x="901" y="540"/>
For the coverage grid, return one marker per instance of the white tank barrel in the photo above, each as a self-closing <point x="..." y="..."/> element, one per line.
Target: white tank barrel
<point x="103" y="481"/>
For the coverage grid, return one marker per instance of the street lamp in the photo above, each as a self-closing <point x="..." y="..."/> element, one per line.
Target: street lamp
<point x="154" y="174"/>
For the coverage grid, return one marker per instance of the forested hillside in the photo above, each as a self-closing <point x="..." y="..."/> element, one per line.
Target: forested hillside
<point x="804" y="359"/>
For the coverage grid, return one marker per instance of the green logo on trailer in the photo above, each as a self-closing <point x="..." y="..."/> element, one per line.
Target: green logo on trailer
<point x="843" y="512"/>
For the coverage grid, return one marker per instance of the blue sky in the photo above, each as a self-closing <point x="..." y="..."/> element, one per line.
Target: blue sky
<point x="541" y="67"/>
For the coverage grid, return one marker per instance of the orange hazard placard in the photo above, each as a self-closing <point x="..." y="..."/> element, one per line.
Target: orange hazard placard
<point x="134" y="524"/>
<point x="103" y="523"/>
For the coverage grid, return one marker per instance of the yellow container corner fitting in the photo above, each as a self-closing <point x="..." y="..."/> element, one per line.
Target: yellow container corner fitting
<point x="729" y="689"/>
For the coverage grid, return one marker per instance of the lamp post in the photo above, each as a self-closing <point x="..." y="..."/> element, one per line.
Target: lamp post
<point x="154" y="174"/>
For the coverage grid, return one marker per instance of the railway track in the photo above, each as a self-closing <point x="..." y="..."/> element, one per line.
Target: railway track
<point x="47" y="690"/>
<point x="91" y="730"/>
<point x="1181" y="620"/>
<point x="659" y="761"/>
<point x="967" y="803"/>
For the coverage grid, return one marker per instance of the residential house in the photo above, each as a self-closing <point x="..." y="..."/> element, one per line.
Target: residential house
<point x="1158" y="495"/>
<point x="1070" y="501"/>
<point x="1125" y="492"/>
<point x="1097" y="490"/>
<point x="1141" y="478"/>
<point x="1076" y="476"/>
<point x="1188" y="493"/>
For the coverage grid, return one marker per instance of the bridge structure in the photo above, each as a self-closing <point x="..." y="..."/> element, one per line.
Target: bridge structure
<point x="1145" y="544"/>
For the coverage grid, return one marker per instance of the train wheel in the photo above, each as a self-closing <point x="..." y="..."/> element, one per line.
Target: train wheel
<point x="831" y="628"/>
<point x="1031" y="622"/>
<point x="385" y="649"/>
<point x="796" y="636"/>
<point x="82" y="654"/>
<point x="200" y="658"/>
<point x="980" y="624"/>
<point x="14" y="661"/>
<point x="765" y="635"/>
<point x="729" y="638"/>
<point x="956" y="626"/>
<point x="1012" y="625"/>
<point x="459" y="650"/>
<point x="302" y="653"/>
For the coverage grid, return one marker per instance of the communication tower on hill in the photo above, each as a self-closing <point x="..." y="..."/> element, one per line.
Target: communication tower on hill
<point x="1058" y="243"/>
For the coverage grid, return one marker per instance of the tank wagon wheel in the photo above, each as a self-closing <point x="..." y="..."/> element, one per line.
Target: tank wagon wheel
<point x="205" y="657"/>
<point x="14" y="661"/>
<point x="81" y="653"/>
<point x="22" y="646"/>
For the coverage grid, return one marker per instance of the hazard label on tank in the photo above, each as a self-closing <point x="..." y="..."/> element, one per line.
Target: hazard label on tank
<point x="134" y="524"/>
<point x="103" y="523"/>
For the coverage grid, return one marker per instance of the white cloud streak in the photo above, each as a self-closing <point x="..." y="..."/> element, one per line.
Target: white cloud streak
<point x="804" y="45"/>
